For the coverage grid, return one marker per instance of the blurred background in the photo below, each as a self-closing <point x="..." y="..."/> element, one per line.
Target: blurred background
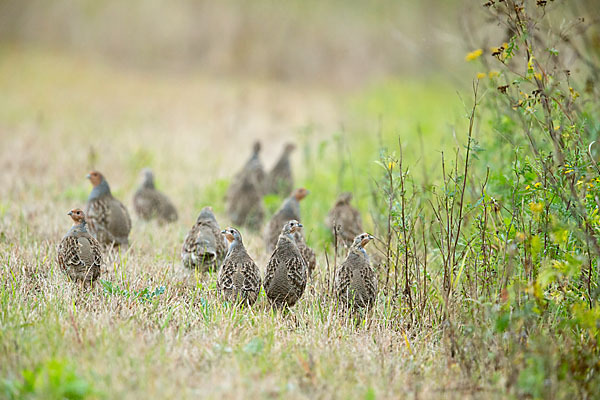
<point x="336" y="42"/>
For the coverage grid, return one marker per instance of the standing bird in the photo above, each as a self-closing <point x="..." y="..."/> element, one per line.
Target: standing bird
<point x="355" y="280"/>
<point x="285" y="277"/>
<point x="204" y="246"/>
<point x="307" y="253"/>
<point x="244" y="204"/>
<point x="280" y="180"/>
<point x="107" y="218"/>
<point x="239" y="277"/>
<point x="290" y="209"/>
<point x="344" y="220"/>
<point x="243" y="200"/>
<point x="254" y="168"/>
<point x="149" y="203"/>
<point x="79" y="253"/>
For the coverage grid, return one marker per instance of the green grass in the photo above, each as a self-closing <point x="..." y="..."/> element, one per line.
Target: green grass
<point x="512" y="320"/>
<point x="149" y="328"/>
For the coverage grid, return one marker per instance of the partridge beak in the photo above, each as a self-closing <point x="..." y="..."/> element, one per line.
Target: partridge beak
<point x="70" y="213"/>
<point x="300" y="225"/>
<point x="88" y="176"/>
<point x="371" y="237"/>
<point x="223" y="231"/>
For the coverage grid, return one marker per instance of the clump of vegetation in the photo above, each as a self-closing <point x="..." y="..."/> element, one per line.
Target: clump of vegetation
<point x="487" y="255"/>
<point x="502" y="252"/>
<point x="143" y="295"/>
<point x="54" y="379"/>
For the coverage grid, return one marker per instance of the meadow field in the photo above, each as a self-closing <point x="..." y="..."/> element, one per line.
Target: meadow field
<point x="471" y="154"/>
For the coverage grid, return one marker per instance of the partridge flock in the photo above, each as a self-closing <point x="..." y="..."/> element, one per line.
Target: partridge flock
<point x="106" y="225"/>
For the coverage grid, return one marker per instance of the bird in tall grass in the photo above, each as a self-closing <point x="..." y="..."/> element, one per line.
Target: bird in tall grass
<point x="308" y="254"/>
<point x="355" y="280"/>
<point x="149" y="203"/>
<point x="204" y="246"/>
<point x="286" y="273"/>
<point x="239" y="277"/>
<point x="107" y="218"/>
<point x="344" y="220"/>
<point x="280" y="179"/>
<point x="79" y="253"/>
<point x="243" y="200"/>
<point x="290" y="209"/>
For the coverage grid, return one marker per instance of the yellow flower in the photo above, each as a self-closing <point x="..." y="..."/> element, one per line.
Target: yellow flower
<point x="505" y="45"/>
<point x="567" y="172"/>
<point x="574" y="93"/>
<point x="481" y="75"/>
<point x="538" y="184"/>
<point x="527" y="187"/>
<point x="538" y="76"/>
<point x="520" y="236"/>
<point x="536" y="207"/>
<point x="474" y="55"/>
<point x="493" y="74"/>
<point x="579" y="182"/>
<point x="530" y="64"/>
<point x="391" y="164"/>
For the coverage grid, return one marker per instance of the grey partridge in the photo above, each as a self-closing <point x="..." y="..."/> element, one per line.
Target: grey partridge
<point x="107" y="218"/>
<point x="307" y="253"/>
<point x="239" y="277"/>
<point x="204" y="246"/>
<point x="243" y="200"/>
<point x="286" y="273"/>
<point x="79" y="253"/>
<point x="344" y="220"/>
<point x="254" y="168"/>
<point x="244" y="203"/>
<point x="149" y="203"/>
<point x="290" y="209"/>
<point x="280" y="180"/>
<point x="355" y="280"/>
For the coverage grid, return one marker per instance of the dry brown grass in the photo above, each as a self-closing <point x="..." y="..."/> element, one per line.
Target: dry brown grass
<point x="184" y="342"/>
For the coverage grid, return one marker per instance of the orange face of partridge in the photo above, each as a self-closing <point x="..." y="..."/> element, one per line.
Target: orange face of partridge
<point x="300" y="193"/>
<point x="366" y="238"/>
<point x="230" y="234"/>
<point x="77" y="216"/>
<point x="95" y="178"/>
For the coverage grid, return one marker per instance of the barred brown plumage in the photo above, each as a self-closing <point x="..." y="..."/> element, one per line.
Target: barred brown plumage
<point x="243" y="200"/>
<point x="355" y="280"/>
<point x="204" y="247"/>
<point x="239" y="276"/>
<point x="286" y="273"/>
<point x="289" y="210"/>
<point x="79" y="253"/>
<point x="344" y="220"/>
<point x="149" y="203"/>
<point x="107" y="218"/>
<point x="280" y="179"/>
